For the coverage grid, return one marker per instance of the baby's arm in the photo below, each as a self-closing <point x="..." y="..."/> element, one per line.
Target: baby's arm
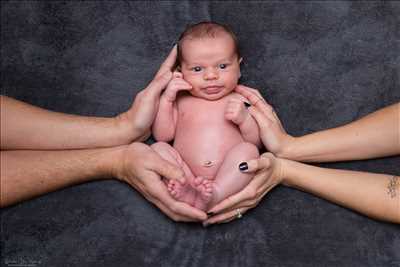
<point x="165" y="122"/>
<point x="236" y="112"/>
<point x="167" y="115"/>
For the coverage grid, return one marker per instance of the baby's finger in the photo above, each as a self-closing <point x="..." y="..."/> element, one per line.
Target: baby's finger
<point x="182" y="84"/>
<point x="177" y="74"/>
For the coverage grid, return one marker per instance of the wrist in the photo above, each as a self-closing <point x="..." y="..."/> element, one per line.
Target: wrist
<point x="125" y="130"/>
<point x="287" y="148"/>
<point x="245" y="121"/>
<point x="288" y="167"/>
<point x="111" y="162"/>
<point x="168" y="97"/>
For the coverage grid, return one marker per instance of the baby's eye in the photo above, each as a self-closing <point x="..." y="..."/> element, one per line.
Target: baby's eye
<point x="223" y="66"/>
<point x="196" y="69"/>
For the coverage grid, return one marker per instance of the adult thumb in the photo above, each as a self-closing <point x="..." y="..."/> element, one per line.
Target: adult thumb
<point x="255" y="165"/>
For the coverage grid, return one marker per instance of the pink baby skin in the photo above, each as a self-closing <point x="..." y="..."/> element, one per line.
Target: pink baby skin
<point x="209" y="124"/>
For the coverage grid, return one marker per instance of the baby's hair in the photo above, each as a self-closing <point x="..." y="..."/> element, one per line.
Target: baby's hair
<point x="204" y="29"/>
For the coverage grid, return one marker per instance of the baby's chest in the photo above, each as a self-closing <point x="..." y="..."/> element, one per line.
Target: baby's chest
<point x="202" y="114"/>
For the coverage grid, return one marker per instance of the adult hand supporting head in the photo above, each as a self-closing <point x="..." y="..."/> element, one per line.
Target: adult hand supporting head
<point x="139" y="118"/>
<point x="142" y="168"/>
<point x="268" y="173"/>
<point x="272" y="133"/>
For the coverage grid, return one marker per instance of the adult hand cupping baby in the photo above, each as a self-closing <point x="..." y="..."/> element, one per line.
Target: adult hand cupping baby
<point x="272" y="133"/>
<point x="142" y="168"/>
<point x="268" y="173"/>
<point x="139" y="118"/>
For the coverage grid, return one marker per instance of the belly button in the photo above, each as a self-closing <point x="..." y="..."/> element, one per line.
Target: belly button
<point x="207" y="163"/>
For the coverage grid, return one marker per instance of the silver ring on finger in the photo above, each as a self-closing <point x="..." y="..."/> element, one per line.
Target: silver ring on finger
<point x="238" y="214"/>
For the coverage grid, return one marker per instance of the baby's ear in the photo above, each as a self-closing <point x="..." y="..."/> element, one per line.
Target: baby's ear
<point x="240" y="73"/>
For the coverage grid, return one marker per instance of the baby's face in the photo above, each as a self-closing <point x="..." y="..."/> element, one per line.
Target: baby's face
<point x="211" y="66"/>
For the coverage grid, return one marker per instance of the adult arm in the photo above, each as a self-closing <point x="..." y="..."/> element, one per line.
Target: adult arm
<point x="375" y="135"/>
<point x="24" y="126"/>
<point x="26" y="174"/>
<point x="374" y="195"/>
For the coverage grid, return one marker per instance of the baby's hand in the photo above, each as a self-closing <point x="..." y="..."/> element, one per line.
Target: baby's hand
<point x="175" y="85"/>
<point x="236" y="111"/>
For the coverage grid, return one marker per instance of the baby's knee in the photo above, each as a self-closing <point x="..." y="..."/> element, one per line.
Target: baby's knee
<point x="166" y="151"/>
<point x="247" y="150"/>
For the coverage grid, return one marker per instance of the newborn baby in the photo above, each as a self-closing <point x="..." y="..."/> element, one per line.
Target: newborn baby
<point x="209" y="123"/>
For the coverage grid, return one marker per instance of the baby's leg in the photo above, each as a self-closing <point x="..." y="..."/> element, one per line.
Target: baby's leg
<point x="185" y="193"/>
<point x="229" y="180"/>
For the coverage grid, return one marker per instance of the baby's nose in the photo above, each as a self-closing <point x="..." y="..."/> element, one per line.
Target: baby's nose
<point x="210" y="74"/>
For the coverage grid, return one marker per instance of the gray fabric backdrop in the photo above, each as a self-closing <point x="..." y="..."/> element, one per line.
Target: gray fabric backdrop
<point x="320" y="64"/>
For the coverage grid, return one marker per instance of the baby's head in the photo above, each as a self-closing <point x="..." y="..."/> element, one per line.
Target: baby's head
<point x="209" y="59"/>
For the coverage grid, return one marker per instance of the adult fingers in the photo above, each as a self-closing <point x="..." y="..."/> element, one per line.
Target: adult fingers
<point x="255" y="165"/>
<point x="255" y="99"/>
<point x="168" y="63"/>
<point x="243" y="195"/>
<point x="178" y="211"/>
<point x="252" y="191"/>
<point x="248" y="92"/>
<point x="226" y="216"/>
<point x="263" y="120"/>
<point x="167" y="169"/>
<point x="159" y="83"/>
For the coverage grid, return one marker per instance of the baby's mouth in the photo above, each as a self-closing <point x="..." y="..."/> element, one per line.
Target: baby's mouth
<point x="214" y="89"/>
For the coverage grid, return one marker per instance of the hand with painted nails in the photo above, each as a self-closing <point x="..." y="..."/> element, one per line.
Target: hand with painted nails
<point x="268" y="173"/>
<point x="272" y="133"/>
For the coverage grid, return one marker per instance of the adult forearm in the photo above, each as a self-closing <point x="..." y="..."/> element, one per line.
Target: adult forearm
<point x="375" y="195"/>
<point x="26" y="174"/>
<point x="24" y="126"/>
<point x="375" y="135"/>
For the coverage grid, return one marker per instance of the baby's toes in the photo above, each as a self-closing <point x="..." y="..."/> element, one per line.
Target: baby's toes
<point x="198" y="180"/>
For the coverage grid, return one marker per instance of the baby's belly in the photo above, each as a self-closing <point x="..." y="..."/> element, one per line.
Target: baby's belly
<point x="204" y="150"/>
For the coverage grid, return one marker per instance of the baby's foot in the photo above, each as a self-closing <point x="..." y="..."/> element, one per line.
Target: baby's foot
<point x="180" y="192"/>
<point x="204" y="188"/>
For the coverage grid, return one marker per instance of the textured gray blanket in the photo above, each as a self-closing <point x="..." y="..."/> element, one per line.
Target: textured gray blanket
<point x="320" y="64"/>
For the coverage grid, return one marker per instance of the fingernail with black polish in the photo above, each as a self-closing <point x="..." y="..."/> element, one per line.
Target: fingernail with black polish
<point x="243" y="166"/>
<point x="247" y="105"/>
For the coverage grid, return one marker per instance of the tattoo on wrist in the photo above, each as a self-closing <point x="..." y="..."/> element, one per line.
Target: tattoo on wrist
<point x="393" y="186"/>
